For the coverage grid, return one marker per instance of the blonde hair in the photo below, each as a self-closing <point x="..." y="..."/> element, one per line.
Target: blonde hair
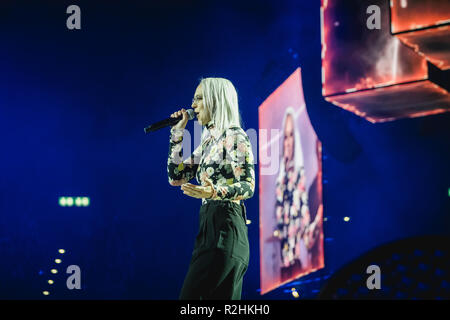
<point x="298" y="152"/>
<point x="221" y="101"/>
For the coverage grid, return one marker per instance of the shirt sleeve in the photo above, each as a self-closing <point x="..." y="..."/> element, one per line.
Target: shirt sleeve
<point x="279" y="207"/>
<point x="179" y="171"/>
<point x="241" y="182"/>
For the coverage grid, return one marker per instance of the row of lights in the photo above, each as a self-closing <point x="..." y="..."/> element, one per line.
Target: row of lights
<point x="346" y="219"/>
<point x="53" y="271"/>
<point x="77" y="201"/>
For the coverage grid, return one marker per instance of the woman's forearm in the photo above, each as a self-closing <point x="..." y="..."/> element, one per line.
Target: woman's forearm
<point x="179" y="172"/>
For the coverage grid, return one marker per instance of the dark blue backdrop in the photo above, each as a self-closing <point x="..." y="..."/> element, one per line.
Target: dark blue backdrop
<point x="73" y="105"/>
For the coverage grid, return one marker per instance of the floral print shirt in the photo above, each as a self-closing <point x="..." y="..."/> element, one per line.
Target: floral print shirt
<point x="226" y="159"/>
<point x="292" y="214"/>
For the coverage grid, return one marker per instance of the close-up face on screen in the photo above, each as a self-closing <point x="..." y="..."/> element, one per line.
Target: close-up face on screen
<point x="211" y="159"/>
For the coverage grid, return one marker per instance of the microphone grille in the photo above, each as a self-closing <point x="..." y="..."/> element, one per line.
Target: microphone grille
<point x="191" y="114"/>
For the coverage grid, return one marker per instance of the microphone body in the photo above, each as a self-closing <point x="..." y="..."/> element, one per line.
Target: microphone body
<point x="168" y="122"/>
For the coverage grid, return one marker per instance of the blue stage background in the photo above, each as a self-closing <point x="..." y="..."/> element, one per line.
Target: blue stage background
<point x="73" y="105"/>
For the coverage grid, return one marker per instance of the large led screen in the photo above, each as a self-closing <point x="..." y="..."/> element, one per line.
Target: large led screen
<point x="290" y="177"/>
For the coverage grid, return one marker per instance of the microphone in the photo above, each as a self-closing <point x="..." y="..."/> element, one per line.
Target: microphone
<point x="169" y="122"/>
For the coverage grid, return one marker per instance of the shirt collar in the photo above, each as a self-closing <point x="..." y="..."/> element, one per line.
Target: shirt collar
<point x="212" y="129"/>
<point x="210" y="125"/>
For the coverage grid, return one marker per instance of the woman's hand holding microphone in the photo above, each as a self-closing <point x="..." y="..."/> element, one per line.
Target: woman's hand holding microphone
<point x="182" y="123"/>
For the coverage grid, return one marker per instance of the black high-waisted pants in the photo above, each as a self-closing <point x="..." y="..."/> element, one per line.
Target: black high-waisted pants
<point x="221" y="253"/>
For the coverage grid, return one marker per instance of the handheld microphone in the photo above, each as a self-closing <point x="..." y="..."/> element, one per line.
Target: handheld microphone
<point x="169" y="122"/>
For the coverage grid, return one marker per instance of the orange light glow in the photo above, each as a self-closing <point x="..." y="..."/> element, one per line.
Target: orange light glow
<point x="409" y="100"/>
<point x="381" y="57"/>
<point x="423" y="42"/>
<point x="418" y="14"/>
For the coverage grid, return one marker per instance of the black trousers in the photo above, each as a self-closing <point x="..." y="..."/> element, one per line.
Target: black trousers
<point x="221" y="253"/>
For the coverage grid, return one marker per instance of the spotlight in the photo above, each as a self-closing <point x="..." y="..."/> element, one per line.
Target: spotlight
<point x="45" y="293"/>
<point x="62" y="201"/>
<point x="57" y="260"/>
<point x="69" y="201"/>
<point x="50" y="281"/>
<point x="248" y="221"/>
<point x="61" y="251"/>
<point x="54" y="271"/>
<point x="85" y="201"/>
<point x="346" y="219"/>
<point x="295" y="293"/>
<point x="77" y="201"/>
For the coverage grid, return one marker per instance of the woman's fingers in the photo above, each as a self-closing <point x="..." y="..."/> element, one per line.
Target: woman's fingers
<point x="184" y="118"/>
<point x="178" y="113"/>
<point x="188" y="189"/>
<point x="198" y="191"/>
<point x="192" y="194"/>
<point x="189" y="185"/>
<point x="193" y="190"/>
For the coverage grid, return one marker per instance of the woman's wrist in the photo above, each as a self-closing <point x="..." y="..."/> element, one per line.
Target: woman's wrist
<point x="176" y="134"/>
<point x="213" y="193"/>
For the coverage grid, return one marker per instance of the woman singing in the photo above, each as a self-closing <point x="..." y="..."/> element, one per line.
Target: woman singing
<point x="223" y="167"/>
